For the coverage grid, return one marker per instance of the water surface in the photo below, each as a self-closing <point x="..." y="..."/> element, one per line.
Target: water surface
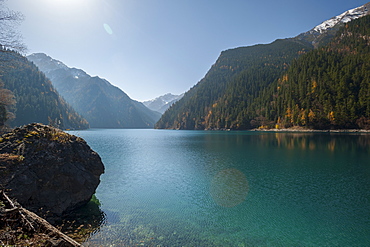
<point x="209" y="188"/>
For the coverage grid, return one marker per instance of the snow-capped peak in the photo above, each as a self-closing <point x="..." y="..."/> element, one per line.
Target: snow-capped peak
<point x="343" y="18"/>
<point x="162" y="103"/>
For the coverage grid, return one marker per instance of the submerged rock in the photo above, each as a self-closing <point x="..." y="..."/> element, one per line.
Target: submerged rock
<point x="48" y="170"/>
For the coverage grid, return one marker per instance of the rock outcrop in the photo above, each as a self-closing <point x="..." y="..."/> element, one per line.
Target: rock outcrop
<point x="48" y="170"/>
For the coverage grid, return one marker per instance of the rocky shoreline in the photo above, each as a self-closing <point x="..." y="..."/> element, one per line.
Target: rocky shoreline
<point x="21" y="227"/>
<point x="49" y="172"/>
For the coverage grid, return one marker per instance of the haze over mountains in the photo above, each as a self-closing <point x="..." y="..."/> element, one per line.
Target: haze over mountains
<point x="317" y="80"/>
<point x="162" y="103"/>
<point x="102" y="104"/>
<point x="36" y="98"/>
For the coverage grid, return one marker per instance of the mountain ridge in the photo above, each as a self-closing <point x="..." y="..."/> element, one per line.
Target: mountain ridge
<point x="237" y="92"/>
<point x="204" y="106"/>
<point x="36" y="98"/>
<point x="163" y="102"/>
<point x="322" y="33"/>
<point x="345" y="17"/>
<point x="101" y="103"/>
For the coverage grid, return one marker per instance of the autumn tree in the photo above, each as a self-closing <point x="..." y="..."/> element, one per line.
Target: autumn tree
<point x="7" y="99"/>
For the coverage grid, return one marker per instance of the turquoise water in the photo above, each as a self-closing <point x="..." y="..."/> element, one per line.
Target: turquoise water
<point x="208" y="188"/>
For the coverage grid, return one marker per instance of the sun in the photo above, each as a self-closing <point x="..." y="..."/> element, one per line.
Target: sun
<point x="68" y="3"/>
<point x="68" y="7"/>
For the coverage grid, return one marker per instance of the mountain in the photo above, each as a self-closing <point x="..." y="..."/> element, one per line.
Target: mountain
<point x="321" y="34"/>
<point x="327" y="88"/>
<point x="345" y="17"/>
<point x="219" y="99"/>
<point x="242" y="90"/>
<point x="36" y="98"/>
<point x="162" y="103"/>
<point x="101" y="103"/>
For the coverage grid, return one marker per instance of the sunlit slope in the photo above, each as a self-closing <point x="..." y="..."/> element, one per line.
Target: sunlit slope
<point x="220" y="99"/>
<point x="328" y="87"/>
<point x="283" y="84"/>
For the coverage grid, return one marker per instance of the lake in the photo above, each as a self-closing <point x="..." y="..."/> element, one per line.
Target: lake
<point x="218" y="188"/>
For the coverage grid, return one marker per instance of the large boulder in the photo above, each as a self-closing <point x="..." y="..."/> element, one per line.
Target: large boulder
<point x="48" y="170"/>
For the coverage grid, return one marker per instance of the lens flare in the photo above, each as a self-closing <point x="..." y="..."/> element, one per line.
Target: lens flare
<point x="108" y="29"/>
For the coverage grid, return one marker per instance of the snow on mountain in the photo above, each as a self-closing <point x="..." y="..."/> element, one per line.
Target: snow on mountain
<point x="47" y="62"/>
<point x="343" y="18"/>
<point x="102" y="104"/>
<point x="162" y="103"/>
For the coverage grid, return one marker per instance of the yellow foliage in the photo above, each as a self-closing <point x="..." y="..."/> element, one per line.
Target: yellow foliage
<point x="285" y="78"/>
<point x="314" y="85"/>
<point x="303" y="117"/>
<point x="289" y="114"/>
<point x="311" y="115"/>
<point x="331" y="116"/>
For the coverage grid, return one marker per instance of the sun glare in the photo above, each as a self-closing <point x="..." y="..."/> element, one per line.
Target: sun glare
<point x="70" y="8"/>
<point x="68" y="3"/>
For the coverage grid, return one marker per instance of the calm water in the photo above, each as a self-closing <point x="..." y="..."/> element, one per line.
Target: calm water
<point x="199" y="188"/>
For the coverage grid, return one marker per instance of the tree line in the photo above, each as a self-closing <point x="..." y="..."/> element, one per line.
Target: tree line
<point x="31" y="96"/>
<point x="283" y="84"/>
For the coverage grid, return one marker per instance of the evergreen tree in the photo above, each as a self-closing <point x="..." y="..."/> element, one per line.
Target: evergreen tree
<point x="283" y="84"/>
<point x="36" y="99"/>
<point x="221" y="99"/>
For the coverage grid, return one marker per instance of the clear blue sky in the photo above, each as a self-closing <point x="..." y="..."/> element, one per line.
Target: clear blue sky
<point x="152" y="47"/>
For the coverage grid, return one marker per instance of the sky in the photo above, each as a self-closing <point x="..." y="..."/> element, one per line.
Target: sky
<point x="149" y="48"/>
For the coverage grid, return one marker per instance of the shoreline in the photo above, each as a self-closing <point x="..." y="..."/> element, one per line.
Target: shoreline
<point x="21" y="227"/>
<point x="302" y="130"/>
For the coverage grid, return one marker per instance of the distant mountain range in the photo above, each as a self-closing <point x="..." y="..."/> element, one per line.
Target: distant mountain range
<point x="102" y="104"/>
<point x="162" y="103"/>
<point x="318" y="79"/>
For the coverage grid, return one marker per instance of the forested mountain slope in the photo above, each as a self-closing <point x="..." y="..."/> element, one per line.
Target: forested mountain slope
<point x="219" y="100"/>
<point x="255" y="86"/>
<point x="36" y="98"/>
<point x="328" y="87"/>
<point x="101" y="103"/>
